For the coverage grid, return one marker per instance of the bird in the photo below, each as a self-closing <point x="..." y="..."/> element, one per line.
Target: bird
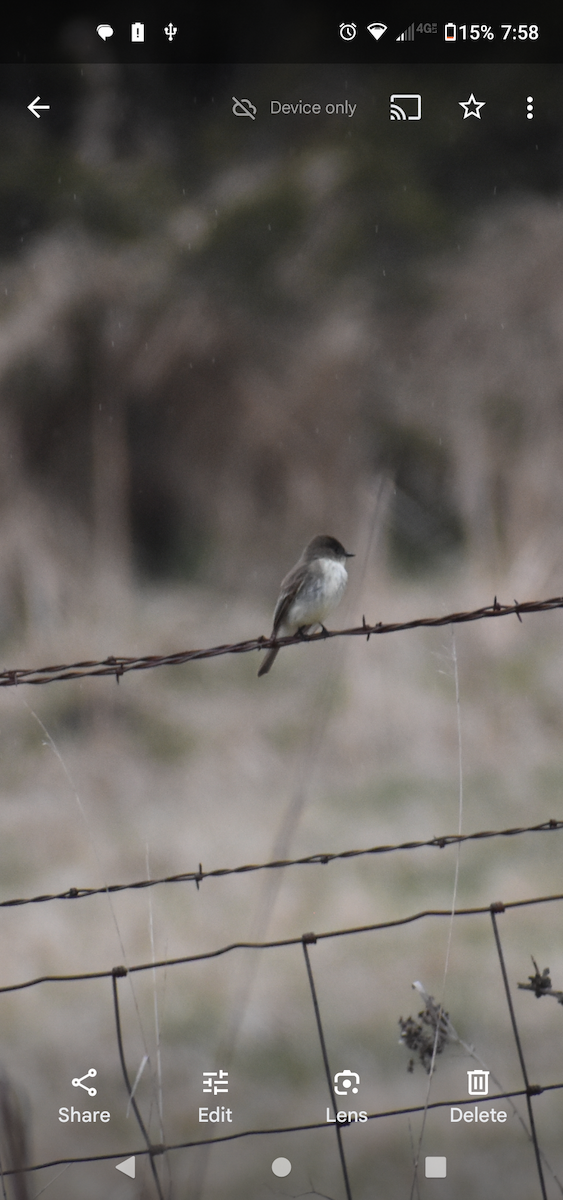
<point x="313" y="587"/>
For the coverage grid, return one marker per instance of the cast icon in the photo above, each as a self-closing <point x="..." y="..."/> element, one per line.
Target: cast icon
<point x="405" y="106"/>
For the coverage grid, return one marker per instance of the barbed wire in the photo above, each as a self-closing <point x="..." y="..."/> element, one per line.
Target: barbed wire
<point x="540" y="984"/>
<point x="118" y="666"/>
<point x="321" y="858"/>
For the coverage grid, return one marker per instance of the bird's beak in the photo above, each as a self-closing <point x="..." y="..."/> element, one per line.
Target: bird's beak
<point x="349" y="555"/>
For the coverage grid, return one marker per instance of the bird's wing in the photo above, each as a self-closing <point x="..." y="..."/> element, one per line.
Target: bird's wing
<point x="288" y="591"/>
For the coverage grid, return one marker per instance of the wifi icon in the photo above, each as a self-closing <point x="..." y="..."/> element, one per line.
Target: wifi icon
<point x="377" y="30"/>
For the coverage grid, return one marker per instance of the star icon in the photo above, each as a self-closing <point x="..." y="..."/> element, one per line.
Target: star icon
<point x="472" y="107"/>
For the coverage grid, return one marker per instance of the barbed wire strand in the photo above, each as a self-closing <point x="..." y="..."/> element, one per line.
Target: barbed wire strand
<point x="537" y="1152"/>
<point x="304" y="764"/>
<point x="121" y="665"/>
<point x="302" y="773"/>
<point x="529" y="987"/>
<point x="310" y="939"/>
<point x="321" y="858"/>
<point x="118" y="667"/>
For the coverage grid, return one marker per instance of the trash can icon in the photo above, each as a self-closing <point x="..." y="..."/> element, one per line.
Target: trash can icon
<point x="478" y="1083"/>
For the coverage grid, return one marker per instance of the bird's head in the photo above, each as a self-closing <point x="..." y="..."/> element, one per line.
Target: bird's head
<point x="323" y="546"/>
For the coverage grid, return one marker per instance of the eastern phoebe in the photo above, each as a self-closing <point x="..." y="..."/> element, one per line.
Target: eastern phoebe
<point x="314" y="586"/>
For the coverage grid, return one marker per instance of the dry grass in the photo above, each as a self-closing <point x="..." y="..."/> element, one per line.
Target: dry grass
<point x="203" y="764"/>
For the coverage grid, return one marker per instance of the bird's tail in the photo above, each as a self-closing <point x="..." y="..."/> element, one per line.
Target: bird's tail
<point x="268" y="661"/>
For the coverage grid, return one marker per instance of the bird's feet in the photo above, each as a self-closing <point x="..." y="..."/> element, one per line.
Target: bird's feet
<point x="304" y="631"/>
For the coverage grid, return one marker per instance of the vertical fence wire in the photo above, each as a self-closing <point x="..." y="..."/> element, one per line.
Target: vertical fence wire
<point x="116" y="973"/>
<point x="494" y="909"/>
<point x="310" y="939"/>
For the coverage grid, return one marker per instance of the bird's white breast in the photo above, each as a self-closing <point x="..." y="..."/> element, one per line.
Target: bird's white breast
<point x="322" y="593"/>
<point x="335" y="580"/>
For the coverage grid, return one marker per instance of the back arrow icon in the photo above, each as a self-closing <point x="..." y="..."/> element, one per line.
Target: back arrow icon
<point x="34" y="106"/>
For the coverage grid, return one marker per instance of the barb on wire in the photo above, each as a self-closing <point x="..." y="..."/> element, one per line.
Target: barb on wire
<point x="440" y="843"/>
<point x="118" y="666"/>
<point x="540" y="984"/>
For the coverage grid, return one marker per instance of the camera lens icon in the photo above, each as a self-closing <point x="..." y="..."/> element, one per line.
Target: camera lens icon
<point x="348" y="31"/>
<point x="346" y="1082"/>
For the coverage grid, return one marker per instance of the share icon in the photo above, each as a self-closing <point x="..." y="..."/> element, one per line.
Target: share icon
<point x="89" y="1075"/>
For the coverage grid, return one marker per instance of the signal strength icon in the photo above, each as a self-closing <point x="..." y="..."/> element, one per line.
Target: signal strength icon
<point x="377" y="29"/>
<point x="407" y="35"/>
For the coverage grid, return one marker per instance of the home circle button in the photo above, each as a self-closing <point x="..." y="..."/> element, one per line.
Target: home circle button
<point x="281" y="1166"/>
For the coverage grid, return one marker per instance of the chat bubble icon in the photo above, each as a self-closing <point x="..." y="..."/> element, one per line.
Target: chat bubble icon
<point x="104" y="31"/>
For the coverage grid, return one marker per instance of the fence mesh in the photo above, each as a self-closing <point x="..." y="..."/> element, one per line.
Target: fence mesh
<point x="303" y="943"/>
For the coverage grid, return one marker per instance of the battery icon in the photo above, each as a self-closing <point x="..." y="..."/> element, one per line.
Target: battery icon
<point x="450" y="32"/>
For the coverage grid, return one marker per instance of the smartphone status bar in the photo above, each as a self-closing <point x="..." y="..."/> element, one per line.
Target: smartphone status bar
<point x="307" y="32"/>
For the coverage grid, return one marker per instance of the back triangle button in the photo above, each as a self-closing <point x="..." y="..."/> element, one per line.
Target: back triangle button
<point x="128" y="1167"/>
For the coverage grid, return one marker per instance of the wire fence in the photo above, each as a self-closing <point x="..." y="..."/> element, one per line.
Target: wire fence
<point x="530" y="1090"/>
<point x="322" y="858"/>
<point x="119" y="666"/>
<point x="305" y="942"/>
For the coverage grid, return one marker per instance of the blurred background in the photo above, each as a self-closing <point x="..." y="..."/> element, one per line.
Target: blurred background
<point x="219" y="337"/>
